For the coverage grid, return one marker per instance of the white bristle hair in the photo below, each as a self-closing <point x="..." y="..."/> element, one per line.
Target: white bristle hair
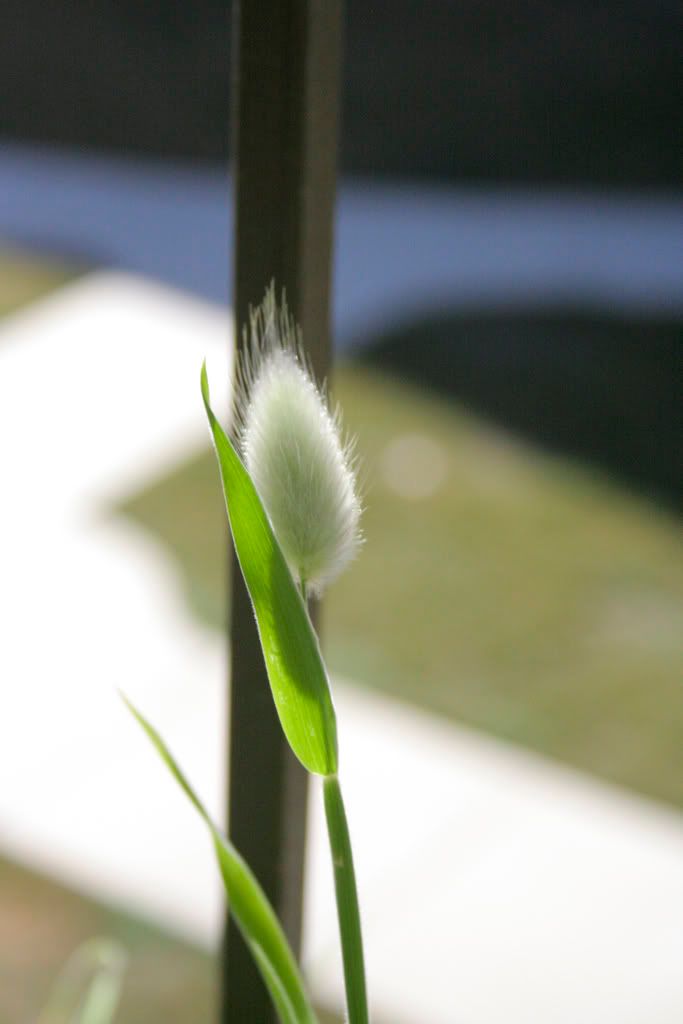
<point x="294" y="450"/>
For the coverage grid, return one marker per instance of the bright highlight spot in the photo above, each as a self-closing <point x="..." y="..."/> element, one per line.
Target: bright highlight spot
<point x="414" y="466"/>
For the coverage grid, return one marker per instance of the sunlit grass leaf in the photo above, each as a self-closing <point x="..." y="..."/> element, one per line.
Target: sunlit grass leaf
<point x="297" y="675"/>
<point x="88" y="989"/>
<point x="248" y="904"/>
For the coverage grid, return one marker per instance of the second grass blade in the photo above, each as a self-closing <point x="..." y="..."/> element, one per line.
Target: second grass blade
<point x="248" y="904"/>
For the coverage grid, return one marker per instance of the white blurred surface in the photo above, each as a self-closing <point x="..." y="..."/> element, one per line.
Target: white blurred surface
<point x="496" y="888"/>
<point x="99" y="392"/>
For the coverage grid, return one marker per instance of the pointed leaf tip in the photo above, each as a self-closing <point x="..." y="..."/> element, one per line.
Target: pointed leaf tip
<point x="204" y="382"/>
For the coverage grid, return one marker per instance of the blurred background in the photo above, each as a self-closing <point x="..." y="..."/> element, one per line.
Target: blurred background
<point x="508" y="301"/>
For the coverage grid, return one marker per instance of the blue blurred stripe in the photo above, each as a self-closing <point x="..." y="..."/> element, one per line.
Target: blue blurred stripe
<point x="403" y="250"/>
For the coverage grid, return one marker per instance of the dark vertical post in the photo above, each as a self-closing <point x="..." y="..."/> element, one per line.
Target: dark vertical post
<point x="286" y="88"/>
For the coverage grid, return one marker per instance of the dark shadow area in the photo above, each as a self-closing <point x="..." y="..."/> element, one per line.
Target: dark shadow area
<point x="603" y="390"/>
<point x="549" y="90"/>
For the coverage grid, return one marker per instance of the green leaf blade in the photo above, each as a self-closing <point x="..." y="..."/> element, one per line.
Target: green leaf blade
<point x="263" y="935"/>
<point x="247" y="902"/>
<point x="295" y="667"/>
<point x="88" y="989"/>
<point x="281" y="1002"/>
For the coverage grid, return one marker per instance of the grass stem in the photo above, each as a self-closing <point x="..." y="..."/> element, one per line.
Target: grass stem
<point x="347" y="901"/>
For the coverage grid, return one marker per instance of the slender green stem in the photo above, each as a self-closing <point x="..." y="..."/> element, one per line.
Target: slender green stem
<point x="347" y="901"/>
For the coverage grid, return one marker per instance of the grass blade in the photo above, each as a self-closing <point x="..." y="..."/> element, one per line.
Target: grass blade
<point x="347" y="902"/>
<point x="248" y="904"/>
<point x="277" y="992"/>
<point x="88" y="989"/>
<point x="297" y="675"/>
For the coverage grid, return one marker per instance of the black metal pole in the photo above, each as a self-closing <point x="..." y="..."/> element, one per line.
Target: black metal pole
<point x="285" y="116"/>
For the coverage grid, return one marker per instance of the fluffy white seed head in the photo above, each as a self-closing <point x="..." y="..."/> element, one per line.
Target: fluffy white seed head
<point x="293" y="448"/>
